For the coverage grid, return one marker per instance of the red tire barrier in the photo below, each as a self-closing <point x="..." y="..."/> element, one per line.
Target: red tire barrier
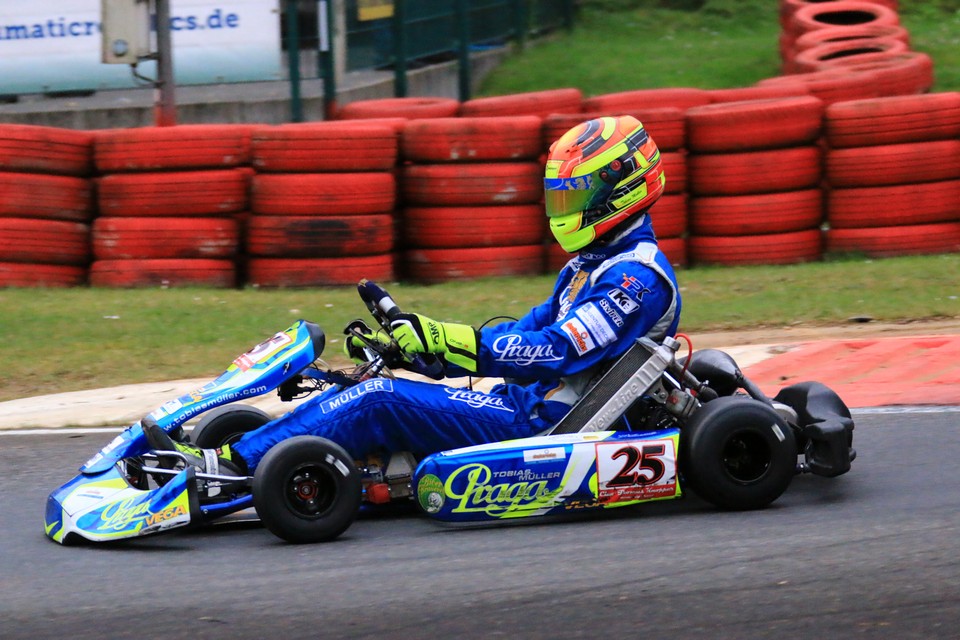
<point x="883" y="242"/>
<point x="535" y="103"/>
<point x="15" y="274"/>
<point x="757" y="124"/>
<point x="669" y="216"/>
<point x="850" y="33"/>
<point x="675" y="249"/>
<point x="894" y="75"/>
<point x="790" y="7"/>
<point x="41" y="241"/>
<point x="177" y="148"/>
<point x="782" y="212"/>
<point x="676" y="172"/>
<point x="621" y="102"/>
<point x="319" y="236"/>
<point x="740" y="94"/>
<point x="833" y="85"/>
<point x="432" y="266"/>
<point x="320" y="194"/>
<point x="318" y="272"/>
<point x="893" y="120"/>
<point x="665" y="125"/>
<point x="153" y="237"/>
<point x="472" y="139"/>
<point x="36" y="149"/>
<point x="36" y="195"/>
<point x="908" y="204"/>
<point x="455" y="227"/>
<point x="776" y="248"/>
<point x="847" y="52"/>
<point x="472" y="184"/>
<point x="753" y="172"/>
<point x="399" y="108"/>
<point x="173" y="193"/>
<point x="840" y="13"/>
<point x="338" y="146"/>
<point x="893" y="164"/>
<point x="163" y="273"/>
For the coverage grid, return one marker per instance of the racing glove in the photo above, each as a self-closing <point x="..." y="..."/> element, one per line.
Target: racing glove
<point x="354" y="347"/>
<point x="456" y="343"/>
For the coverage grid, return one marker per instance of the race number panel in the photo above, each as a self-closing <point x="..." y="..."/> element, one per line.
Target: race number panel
<point x="640" y="470"/>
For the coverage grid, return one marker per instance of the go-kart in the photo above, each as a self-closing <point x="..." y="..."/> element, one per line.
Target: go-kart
<point x="652" y="426"/>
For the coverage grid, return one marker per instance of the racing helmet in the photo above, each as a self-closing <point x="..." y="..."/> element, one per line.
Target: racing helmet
<point x="598" y="174"/>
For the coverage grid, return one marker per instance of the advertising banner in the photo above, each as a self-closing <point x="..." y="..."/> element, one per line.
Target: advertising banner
<point x="55" y="46"/>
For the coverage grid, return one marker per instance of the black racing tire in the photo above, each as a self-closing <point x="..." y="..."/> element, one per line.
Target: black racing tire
<point x="737" y="453"/>
<point x="226" y="425"/>
<point x="307" y="489"/>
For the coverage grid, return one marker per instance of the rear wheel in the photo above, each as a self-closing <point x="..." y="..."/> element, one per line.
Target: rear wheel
<point x="737" y="453"/>
<point x="226" y="425"/>
<point x="307" y="489"/>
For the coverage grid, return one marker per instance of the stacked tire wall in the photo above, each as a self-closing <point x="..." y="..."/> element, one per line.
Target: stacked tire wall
<point x="46" y="205"/>
<point x="845" y="151"/>
<point x="893" y="171"/>
<point x="323" y="201"/>
<point x="755" y="172"/>
<point x="472" y="190"/>
<point x="170" y="202"/>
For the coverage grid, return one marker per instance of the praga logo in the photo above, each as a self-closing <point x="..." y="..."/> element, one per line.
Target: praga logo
<point x="477" y="400"/>
<point x="474" y="489"/>
<point x="511" y="348"/>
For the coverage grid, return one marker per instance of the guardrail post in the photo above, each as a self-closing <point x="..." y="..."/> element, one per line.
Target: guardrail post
<point x="463" y="49"/>
<point x="521" y="22"/>
<point x="326" y="30"/>
<point x="400" y="49"/>
<point x="293" y="60"/>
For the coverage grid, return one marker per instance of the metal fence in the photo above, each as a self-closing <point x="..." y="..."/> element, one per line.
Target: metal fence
<point x="397" y="35"/>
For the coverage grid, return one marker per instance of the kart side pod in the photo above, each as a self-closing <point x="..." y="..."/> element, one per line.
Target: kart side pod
<point x="548" y="475"/>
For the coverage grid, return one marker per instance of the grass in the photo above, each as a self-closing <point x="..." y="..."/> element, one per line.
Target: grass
<point x="70" y="339"/>
<point x="637" y="44"/>
<point x="60" y="340"/>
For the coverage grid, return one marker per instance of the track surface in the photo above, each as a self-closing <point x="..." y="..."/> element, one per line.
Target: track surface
<point x="875" y="553"/>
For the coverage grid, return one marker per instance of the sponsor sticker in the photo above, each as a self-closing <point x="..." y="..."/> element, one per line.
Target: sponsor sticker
<point x="354" y="393"/>
<point x="623" y="300"/>
<point x="611" y="312"/>
<point x="632" y="285"/>
<point x="579" y="336"/>
<point x="544" y="455"/>
<point x="430" y="493"/>
<point x="596" y="324"/>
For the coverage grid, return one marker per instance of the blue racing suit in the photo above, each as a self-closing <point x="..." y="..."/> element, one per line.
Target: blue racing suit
<point x="603" y="300"/>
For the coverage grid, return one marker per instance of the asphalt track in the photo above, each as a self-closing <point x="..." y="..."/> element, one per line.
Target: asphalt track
<point x="873" y="554"/>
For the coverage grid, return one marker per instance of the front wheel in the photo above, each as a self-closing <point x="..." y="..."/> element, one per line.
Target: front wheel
<point x="738" y="453"/>
<point x="307" y="489"/>
<point x="226" y="425"/>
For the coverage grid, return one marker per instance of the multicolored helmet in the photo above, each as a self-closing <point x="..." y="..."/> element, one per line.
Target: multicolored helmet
<point x="598" y="174"/>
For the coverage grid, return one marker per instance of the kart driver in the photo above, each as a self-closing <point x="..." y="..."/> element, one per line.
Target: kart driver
<point x="601" y="179"/>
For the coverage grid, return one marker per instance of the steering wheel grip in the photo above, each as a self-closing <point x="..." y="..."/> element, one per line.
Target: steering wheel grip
<point x="384" y="311"/>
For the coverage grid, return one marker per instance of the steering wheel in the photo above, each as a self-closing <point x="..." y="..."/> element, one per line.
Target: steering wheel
<point x="384" y="310"/>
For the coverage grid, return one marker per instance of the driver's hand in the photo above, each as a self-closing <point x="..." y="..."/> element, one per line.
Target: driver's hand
<point x="354" y="347"/>
<point x="457" y="343"/>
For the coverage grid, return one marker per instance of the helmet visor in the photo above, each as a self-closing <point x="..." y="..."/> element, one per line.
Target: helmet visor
<point x="563" y="196"/>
